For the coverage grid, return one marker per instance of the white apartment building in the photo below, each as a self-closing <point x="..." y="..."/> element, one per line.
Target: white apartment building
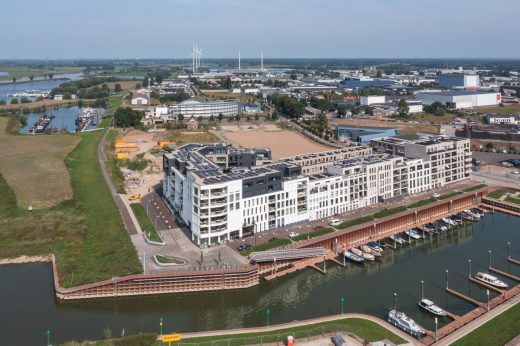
<point x="449" y="157"/>
<point x="224" y="193"/>
<point x="194" y="108"/>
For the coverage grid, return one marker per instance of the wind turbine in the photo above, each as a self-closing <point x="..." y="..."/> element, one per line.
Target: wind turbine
<point x="193" y="58"/>
<point x="199" y="54"/>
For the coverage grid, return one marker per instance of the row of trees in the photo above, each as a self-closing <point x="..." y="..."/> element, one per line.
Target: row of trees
<point x="127" y="117"/>
<point x="287" y="105"/>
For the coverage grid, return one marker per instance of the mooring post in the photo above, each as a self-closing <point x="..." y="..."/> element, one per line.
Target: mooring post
<point x="469" y="274"/>
<point x="436" y="328"/>
<point x="422" y="289"/>
<point x="395" y="301"/>
<point x="324" y="265"/>
<point x="487" y="293"/>
<point x="489" y="258"/>
<point x="508" y="250"/>
<point x="446" y="278"/>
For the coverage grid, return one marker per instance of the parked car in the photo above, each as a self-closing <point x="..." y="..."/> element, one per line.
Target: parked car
<point x="273" y="239"/>
<point x="293" y="234"/>
<point x="436" y="195"/>
<point x="335" y="222"/>
<point x="515" y="172"/>
<point x="246" y="246"/>
<point x="135" y="197"/>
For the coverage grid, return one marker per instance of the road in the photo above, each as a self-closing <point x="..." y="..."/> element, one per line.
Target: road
<point x="499" y="176"/>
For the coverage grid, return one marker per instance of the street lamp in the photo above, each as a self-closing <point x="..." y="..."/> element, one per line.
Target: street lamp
<point x="487" y="293"/>
<point x="267" y="313"/>
<point x="422" y="289"/>
<point x="48" y="333"/>
<point x="469" y="275"/>
<point x="160" y="325"/>
<point x="489" y="258"/>
<point x="342" y="300"/>
<point x="395" y="301"/>
<point x="436" y="328"/>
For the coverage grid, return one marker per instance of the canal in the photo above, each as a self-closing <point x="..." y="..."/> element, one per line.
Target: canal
<point x="8" y="88"/>
<point x="28" y="307"/>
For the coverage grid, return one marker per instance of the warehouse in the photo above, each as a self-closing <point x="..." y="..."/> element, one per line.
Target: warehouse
<point x="458" y="80"/>
<point x="461" y="99"/>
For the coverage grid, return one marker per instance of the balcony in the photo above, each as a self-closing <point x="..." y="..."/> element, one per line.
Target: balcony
<point x="218" y="221"/>
<point x="271" y="217"/>
<point x="218" y="203"/>
<point x="302" y="194"/>
<point x="218" y="193"/>
<point x="219" y="228"/>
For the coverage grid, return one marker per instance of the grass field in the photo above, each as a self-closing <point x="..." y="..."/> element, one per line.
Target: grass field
<point x="181" y="137"/>
<point x="495" y="332"/>
<point x="144" y="221"/>
<point x="20" y="72"/>
<point x="368" y="330"/>
<point x="33" y="166"/>
<point x="512" y="109"/>
<point x="111" y="162"/>
<point x="496" y="194"/>
<point x="513" y="200"/>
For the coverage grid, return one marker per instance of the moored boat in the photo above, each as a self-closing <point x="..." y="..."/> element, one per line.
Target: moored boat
<point x="375" y="246"/>
<point x="364" y="255"/>
<point x="448" y="221"/>
<point x="430" y="306"/>
<point x="400" y="320"/>
<point x="368" y="249"/>
<point x="413" y="233"/>
<point x="490" y="280"/>
<point x="354" y="258"/>
<point x="398" y="239"/>
<point x="473" y="214"/>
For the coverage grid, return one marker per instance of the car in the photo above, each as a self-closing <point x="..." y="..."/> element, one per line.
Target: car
<point x="273" y="239"/>
<point x="246" y="246"/>
<point x="334" y="222"/>
<point x="134" y="197"/>
<point x="515" y="172"/>
<point x="293" y="234"/>
<point x="436" y="195"/>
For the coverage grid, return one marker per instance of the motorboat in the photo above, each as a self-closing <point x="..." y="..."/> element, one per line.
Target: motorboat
<point x="364" y="255"/>
<point x="398" y="239"/>
<point x="466" y="216"/>
<point x="478" y="211"/>
<point x="375" y="246"/>
<point x="400" y="320"/>
<point x="491" y="280"/>
<point x="440" y="226"/>
<point x="456" y="219"/>
<point x="448" y="221"/>
<point x="430" y="226"/>
<point x="412" y="233"/>
<point x="472" y="213"/>
<point x="353" y="257"/>
<point x="430" y="306"/>
<point x="368" y="249"/>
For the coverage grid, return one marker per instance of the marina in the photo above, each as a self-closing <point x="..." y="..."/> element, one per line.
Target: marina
<point x="367" y="288"/>
<point x="64" y="120"/>
<point x="86" y="117"/>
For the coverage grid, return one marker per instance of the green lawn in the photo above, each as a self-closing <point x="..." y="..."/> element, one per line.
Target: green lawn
<point x="355" y="222"/>
<point x="422" y="202"/>
<point x="495" y="332"/>
<point x="314" y="234"/>
<point x="388" y="212"/>
<point x="450" y="194"/>
<point x="363" y="328"/>
<point x="169" y="260"/>
<point x="267" y="246"/>
<point x="111" y="162"/>
<point x="513" y="200"/>
<point x="144" y="221"/>
<point x="473" y="188"/>
<point x="496" y="194"/>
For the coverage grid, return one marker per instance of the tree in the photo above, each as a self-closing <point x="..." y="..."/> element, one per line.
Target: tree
<point x="31" y="78"/>
<point x="50" y="75"/>
<point x="489" y="145"/>
<point x="127" y="117"/>
<point x="220" y="117"/>
<point x="180" y="117"/>
<point x="117" y="88"/>
<point x="212" y="118"/>
<point x="436" y="108"/>
<point x="14" y="101"/>
<point x="379" y="74"/>
<point x="14" y="79"/>
<point x="403" y="108"/>
<point x="145" y="82"/>
<point x="342" y="111"/>
<point x="274" y="115"/>
<point x="199" y="118"/>
<point x="237" y="118"/>
<point x="25" y="100"/>
<point x="257" y="117"/>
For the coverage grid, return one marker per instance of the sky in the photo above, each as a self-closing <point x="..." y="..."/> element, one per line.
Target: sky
<point x="73" y="29"/>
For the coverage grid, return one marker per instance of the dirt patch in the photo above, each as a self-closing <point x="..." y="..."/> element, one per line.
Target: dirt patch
<point x="405" y="128"/>
<point x="33" y="165"/>
<point x="282" y="143"/>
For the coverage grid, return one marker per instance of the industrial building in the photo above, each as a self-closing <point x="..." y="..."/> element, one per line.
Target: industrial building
<point x="458" y="80"/>
<point x="370" y="100"/>
<point x="361" y="82"/>
<point x="364" y="134"/>
<point x="222" y="193"/>
<point x="461" y="98"/>
<point x="205" y="109"/>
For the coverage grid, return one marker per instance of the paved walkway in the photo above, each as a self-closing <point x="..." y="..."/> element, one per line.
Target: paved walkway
<point x="123" y="210"/>
<point x="478" y="322"/>
<point x="231" y="332"/>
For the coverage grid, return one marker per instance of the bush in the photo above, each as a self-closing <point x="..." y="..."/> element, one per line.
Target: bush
<point x="320" y="232"/>
<point x="138" y="163"/>
<point x="127" y="117"/>
<point x="388" y="212"/>
<point x="473" y="188"/>
<point x="355" y="222"/>
<point x="422" y="203"/>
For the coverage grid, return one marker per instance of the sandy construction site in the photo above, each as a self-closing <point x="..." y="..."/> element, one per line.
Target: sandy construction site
<point x="282" y="142"/>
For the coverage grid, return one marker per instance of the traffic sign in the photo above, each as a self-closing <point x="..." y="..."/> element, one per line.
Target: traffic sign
<point x="171" y="337"/>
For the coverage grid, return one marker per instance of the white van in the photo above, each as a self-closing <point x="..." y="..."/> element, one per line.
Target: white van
<point x="335" y="222"/>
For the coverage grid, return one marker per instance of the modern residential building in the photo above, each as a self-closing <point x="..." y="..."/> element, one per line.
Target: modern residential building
<point x="364" y="134"/>
<point x="222" y="193"/>
<point x="461" y="99"/>
<point x="461" y="80"/>
<point x="205" y="109"/>
<point x="496" y="119"/>
<point x="313" y="163"/>
<point x="449" y="157"/>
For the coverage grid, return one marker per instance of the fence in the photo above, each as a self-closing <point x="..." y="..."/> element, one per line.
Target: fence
<point x="280" y="338"/>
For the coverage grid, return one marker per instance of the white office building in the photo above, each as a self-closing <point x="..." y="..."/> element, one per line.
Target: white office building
<point x="205" y="109"/>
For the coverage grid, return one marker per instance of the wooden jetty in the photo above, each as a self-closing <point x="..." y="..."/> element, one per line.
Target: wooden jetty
<point x="513" y="261"/>
<point x="507" y="275"/>
<point x="488" y="286"/>
<point x="464" y="297"/>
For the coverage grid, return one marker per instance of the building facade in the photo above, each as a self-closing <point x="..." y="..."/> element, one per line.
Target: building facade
<point x="461" y="99"/>
<point x="194" y="108"/>
<point x="223" y="193"/>
<point x="458" y="80"/>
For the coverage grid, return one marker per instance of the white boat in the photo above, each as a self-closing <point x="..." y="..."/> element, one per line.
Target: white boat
<point x="368" y="249"/>
<point x="375" y="246"/>
<point x="365" y="255"/>
<point x="355" y="258"/>
<point x="491" y="280"/>
<point x="412" y="233"/>
<point x="448" y="221"/>
<point x="400" y="320"/>
<point x="474" y="215"/>
<point x="430" y="306"/>
<point x="398" y="239"/>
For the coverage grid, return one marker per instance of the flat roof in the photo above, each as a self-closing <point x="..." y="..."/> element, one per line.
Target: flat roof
<point x="456" y="93"/>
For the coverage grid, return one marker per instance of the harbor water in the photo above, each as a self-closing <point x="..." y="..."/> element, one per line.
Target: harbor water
<point x="28" y="306"/>
<point x="65" y="118"/>
<point x="39" y="85"/>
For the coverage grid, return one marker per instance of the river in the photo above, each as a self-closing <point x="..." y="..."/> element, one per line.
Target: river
<point x="40" y="85"/>
<point x="306" y="294"/>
